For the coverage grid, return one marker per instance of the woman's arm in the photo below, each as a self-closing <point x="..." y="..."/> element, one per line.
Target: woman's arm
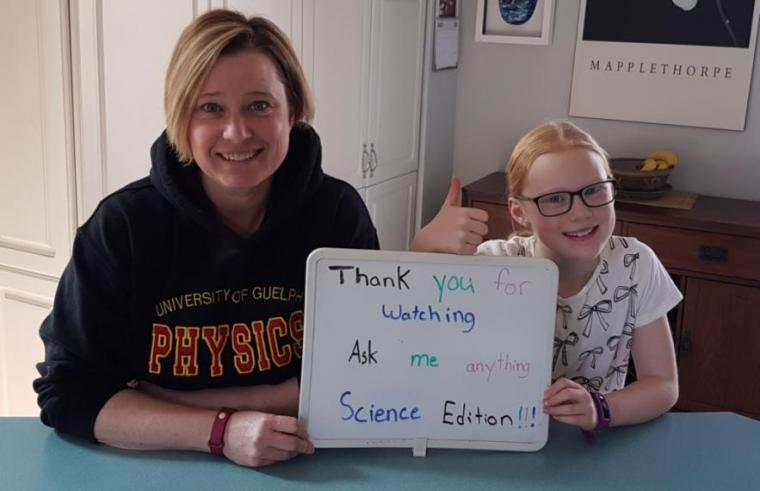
<point x="276" y="399"/>
<point x="135" y="420"/>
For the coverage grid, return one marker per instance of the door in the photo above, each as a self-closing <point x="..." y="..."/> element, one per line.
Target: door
<point x="337" y="50"/>
<point x="37" y="199"/>
<point x="391" y="207"/>
<point x="718" y="362"/>
<point x="396" y="61"/>
<point x="367" y="83"/>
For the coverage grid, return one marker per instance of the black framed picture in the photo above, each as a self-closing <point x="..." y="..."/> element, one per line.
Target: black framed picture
<point x="723" y="23"/>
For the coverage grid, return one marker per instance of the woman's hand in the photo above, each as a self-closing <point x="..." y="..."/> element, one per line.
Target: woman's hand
<point x="255" y="439"/>
<point x="569" y="402"/>
<point x="454" y="229"/>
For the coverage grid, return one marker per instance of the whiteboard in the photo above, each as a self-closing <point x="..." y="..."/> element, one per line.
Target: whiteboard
<point x="406" y="349"/>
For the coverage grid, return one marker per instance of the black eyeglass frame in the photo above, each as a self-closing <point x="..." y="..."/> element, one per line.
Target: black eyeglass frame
<point x="573" y="194"/>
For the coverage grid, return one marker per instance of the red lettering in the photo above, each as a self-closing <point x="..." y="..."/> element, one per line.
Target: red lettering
<point x="241" y="344"/>
<point x="296" y="331"/>
<point x="160" y="347"/>
<point x="258" y="332"/>
<point x="186" y="351"/>
<point x="216" y="339"/>
<point x="276" y="330"/>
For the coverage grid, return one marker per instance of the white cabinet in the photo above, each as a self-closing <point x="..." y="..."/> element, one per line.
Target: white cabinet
<point x="391" y="205"/>
<point x="81" y="87"/>
<point x="25" y="300"/>
<point x="37" y="186"/>
<point x="336" y="47"/>
<point x="364" y="59"/>
<point x="121" y="51"/>
<point x="395" y="80"/>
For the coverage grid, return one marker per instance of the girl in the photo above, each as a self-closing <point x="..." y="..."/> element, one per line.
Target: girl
<point x="614" y="293"/>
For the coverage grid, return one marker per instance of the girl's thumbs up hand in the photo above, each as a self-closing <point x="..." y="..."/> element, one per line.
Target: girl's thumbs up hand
<point x="454" y="229"/>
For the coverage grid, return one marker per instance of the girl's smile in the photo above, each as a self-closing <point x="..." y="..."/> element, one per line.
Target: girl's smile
<point x="577" y="236"/>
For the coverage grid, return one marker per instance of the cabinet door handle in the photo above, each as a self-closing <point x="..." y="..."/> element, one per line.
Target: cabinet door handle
<point x="714" y="254"/>
<point x="366" y="162"/>
<point x="684" y="346"/>
<point x="372" y="158"/>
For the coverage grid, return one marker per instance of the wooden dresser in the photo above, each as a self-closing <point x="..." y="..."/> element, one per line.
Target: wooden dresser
<point x="713" y="254"/>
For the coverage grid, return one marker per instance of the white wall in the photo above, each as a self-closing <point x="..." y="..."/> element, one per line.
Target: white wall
<point x="438" y="121"/>
<point x="504" y="90"/>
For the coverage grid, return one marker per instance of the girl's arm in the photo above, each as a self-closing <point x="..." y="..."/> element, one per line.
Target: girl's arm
<point x="454" y="229"/>
<point x="656" y="389"/>
<point x="654" y="392"/>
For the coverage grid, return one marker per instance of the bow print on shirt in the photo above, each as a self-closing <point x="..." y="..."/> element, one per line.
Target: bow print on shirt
<point x="616" y="372"/>
<point x="628" y="331"/>
<point x="600" y="308"/>
<point x="592" y="353"/>
<point x="631" y="293"/>
<point x="630" y="260"/>
<point x="561" y="346"/>
<point x="613" y="343"/>
<point x="565" y="309"/>
<point x="599" y="281"/>
<point x="622" y="240"/>
<point x="593" y="383"/>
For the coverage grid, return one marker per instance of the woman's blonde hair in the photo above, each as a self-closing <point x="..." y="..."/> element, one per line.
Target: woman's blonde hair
<point x="552" y="136"/>
<point x="220" y="33"/>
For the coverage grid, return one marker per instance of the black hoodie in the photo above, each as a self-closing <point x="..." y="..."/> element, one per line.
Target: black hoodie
<point x="158" y="289"/>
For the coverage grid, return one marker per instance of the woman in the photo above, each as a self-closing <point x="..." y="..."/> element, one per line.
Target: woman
<point x="179" y="320"/>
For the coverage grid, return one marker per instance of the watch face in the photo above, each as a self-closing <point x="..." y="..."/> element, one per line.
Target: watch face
<point x="517" y="12"/>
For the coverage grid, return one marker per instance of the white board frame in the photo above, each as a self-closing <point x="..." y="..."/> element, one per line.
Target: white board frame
<point x="418" y="258"/>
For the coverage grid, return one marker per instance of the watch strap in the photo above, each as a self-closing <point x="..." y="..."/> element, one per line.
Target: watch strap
<point x="216" y="439"/>
<point x="603" y="416"/>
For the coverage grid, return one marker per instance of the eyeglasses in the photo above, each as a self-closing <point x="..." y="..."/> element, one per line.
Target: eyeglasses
<point x="593" y="196"/>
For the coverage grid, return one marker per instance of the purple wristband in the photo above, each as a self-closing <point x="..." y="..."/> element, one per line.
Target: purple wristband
<point x="603" y="417"/>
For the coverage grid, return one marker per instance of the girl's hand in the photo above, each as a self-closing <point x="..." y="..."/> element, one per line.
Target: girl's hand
<point x="570" y="403"/>
<point x="454" y="229"/>
<point x="255" y="439"/>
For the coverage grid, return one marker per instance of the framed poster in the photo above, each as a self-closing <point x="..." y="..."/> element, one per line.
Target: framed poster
<point x="683" y="62"/>
<point x="514" y="21"/>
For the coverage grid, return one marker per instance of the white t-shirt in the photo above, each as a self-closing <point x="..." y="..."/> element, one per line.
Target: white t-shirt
<point x="594" y="328"/>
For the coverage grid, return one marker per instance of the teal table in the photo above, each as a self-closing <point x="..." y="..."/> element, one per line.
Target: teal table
<point x="691" y="451"/>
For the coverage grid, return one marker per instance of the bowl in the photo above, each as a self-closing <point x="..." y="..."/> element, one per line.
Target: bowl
<point x="629" y="178"/>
